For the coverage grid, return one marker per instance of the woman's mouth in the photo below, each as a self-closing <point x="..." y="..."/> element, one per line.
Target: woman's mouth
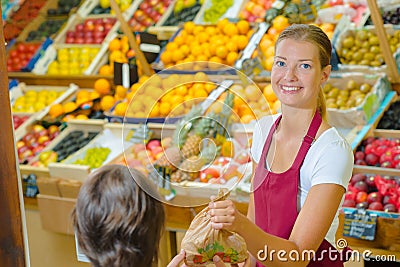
<point x="290" y="88"/>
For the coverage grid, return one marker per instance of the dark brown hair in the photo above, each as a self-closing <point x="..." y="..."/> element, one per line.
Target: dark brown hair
<point x="314" y="35"/>
<point x="117" y="222"/>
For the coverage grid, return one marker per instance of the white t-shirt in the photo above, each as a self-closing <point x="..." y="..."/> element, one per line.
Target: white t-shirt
<point x="329" y="160"/>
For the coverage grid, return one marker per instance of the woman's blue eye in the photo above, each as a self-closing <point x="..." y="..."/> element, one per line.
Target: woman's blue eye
<point x="306" y="66"/>
<point x="280" y="63"/>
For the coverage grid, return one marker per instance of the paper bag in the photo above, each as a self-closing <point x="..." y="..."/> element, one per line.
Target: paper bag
<point x="202" y="242"/>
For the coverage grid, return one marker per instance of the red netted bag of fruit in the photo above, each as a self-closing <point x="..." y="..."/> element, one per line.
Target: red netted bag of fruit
<point x="202" y="242"/>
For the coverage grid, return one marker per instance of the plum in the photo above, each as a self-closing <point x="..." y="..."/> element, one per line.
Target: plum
<point x="362" y="205"/>
<point x="374" y="197"/>
<point x="371" y="159"/>
<point x="361" y="186"/>
<point x="389" y="208"/>
<point x="349" y="203"/>
<point x="375" y="206"/>
<point x="357" y="177"/>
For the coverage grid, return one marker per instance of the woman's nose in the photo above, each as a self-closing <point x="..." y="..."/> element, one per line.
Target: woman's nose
<point x="290" y="74"/>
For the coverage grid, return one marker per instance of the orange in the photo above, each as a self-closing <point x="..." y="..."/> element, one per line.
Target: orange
<point x="69" y="107"/>
<point x="280" y="22"/>
<point x="166" y="57"/>
<point x="143" y="79"/>
<point x="247" y="118"/>
<point x="155" y="111"/>
<point x="120" y="109"/>
<point x="198" y="29"/>
<point x="270" y="52"/>
<point x="106" y="102"/>
<point x="94" y="95"/>
<point x="221" y="52"/>
<point x="171" y="46"/>
<point x="231" y="46"/>
<point x="181" y="90"/>
<point x="265" y="43"/>
<point x="102" y="86"/>
<point x="242" y="41"/>
<point x="221" y="23"/>
<point x="243" y="26"/>
<point x="114" y="45"/>
<point x="202" y="37"/>
<point x="185" y="49"/>
<point x="230" y="29"/>
<point x="165" y="108"/>
<point x="179" y="40"/>
<point x="81" y="117"/>
<point x="231" y="58"/>
<point x="83" y="94"/>
<point x="269" y="93"/>
<point x="120" y="91"/>
<point x="200" y="77"/>
<point x="135" y="87"/>
<point x="130" y="95"/>
<point x="189" y="26"/>
<point x="105" y="70"/>
<point x="268" y="63"/>
<point x="177" y="56"/>
<point x="56" y="110"/>
<point x="209" y="87"/>
<point x="211" y="30"/>
<point x="200" y="93"/>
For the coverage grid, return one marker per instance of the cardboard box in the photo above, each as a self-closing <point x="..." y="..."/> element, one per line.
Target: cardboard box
<point x="55" y="213"/>
<point x="48" y="186"/>
<point x="69" y="188"/>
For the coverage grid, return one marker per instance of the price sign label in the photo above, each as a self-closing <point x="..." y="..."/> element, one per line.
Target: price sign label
<point x="360" y="224"/>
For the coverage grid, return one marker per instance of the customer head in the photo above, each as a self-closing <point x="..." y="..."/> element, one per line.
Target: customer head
<point x="314" y="40"/>
<point x="118" y="223"/>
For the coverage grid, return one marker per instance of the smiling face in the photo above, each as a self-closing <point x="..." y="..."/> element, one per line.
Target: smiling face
<point x="296" y="74"/>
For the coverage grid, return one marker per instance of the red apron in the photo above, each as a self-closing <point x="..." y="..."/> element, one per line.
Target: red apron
<point x="275" y="197"/>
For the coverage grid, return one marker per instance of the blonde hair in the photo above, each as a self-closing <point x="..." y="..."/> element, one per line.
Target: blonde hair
<point x="314" y="35"/>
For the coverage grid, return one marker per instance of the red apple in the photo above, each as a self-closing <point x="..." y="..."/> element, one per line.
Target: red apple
<point x="361" y="197"/>
<point x="98" y="40"/>
<point x="79" y="27"/>
<point x="360" y="162"/>
<point x="90" y="40"/>
<point x="349" y="203"/>
<point x="357" y="177"/>
<point x="374" y="197"/>
<point x="43" y="132"/>
<point x="28" y="137"/>
<point x="98" y="28"/>
<point x="79" y="40"/>
<point x="389" y="208"/>
<point x="350" y="195"/>
<point x="156" y="150"/>
<point x="70" y="40"/>
<point x="70" y="34"/>
<point x="207" y="174"/>
<point x="371" y="159"/>
<point x="362" y="205"/>
<point x="359" y="155"/>
<point x="153" y="143"/>
<point x="370" y="180"/>
<point x="88" y="25"/>
<point x="361" y="186"/>
<point x="375" y="206"/>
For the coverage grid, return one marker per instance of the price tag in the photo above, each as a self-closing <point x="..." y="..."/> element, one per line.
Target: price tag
<point x="360" y="224"/>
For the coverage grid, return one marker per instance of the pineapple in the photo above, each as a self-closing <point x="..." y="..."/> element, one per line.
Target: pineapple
<point x="202" y="129"/>
<point x="185" y="125"/>
<point x="170" y="159"/>
<point x="190" y="167"/>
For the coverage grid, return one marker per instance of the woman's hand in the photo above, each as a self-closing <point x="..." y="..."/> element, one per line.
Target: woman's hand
<point x="224" y="215"/>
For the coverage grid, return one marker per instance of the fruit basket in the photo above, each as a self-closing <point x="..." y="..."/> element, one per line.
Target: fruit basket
<point x="69" y="59"/>
<point x="102" y="149"/>
<point x="378" y="153"/>
<point x="359" y="51"/>
<point x="209" y="48"/>
<point x="212" y="11"/>
<point x="97" y="7"/>
<point x="41" y="28"/>
<point x="23" y="56"/>
<point x="29" y="99"/>
<point x="37" y="164"/>
<point x="182" y="11"/>
<point x="352" y="99"/>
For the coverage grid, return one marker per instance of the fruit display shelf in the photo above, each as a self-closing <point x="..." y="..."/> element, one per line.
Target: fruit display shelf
<point x="25" y="97"/>
<point x="353" y="98"/>
<point x="59" y="8"/>
<point x="378" y="153"/>
<point x="106" y="146"/>
<point x="232" y="12"/>
<point x="359" y="51"/>
<point x="182" y="11"/>
<point x="88" y="6"/>
<point x="41" y="28"/>
<point x="86" y="127"/>
<point x="23" y="56"/>
<point x="239" y="44"/>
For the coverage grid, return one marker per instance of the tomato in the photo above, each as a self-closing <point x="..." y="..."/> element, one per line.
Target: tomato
<point x="13" y="53"/>
<point x="21" y="48"/>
